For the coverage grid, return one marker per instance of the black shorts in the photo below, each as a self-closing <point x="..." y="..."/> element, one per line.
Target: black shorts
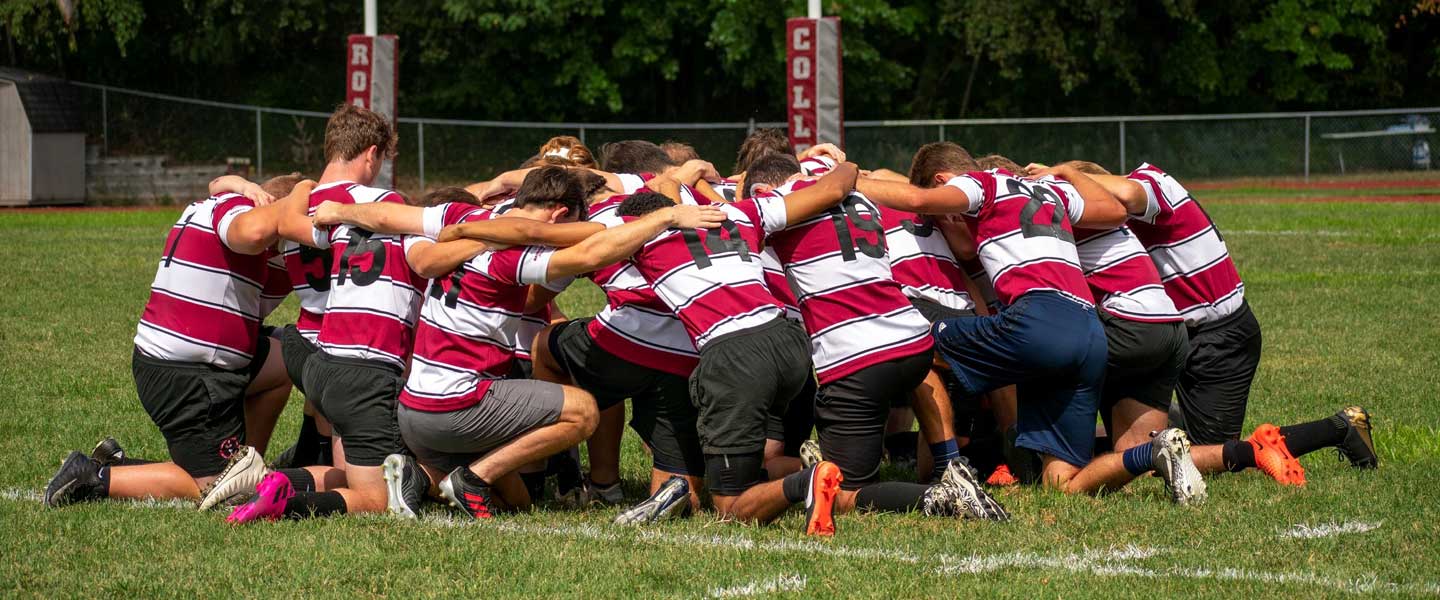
<point x="358" y="398"/>
<point x="200" y="409"/>
<point x="295" y="349"/>
<point x="1145" y="360"/>
<point x="661" y="410"/>
<point x="794" y="426"/>
<point x="1215" y="385"/>
<point x="522" y="368"/>
<point x="935" y="312"/>
<point x="850" y="414"/>
<point x="743" y="378"/>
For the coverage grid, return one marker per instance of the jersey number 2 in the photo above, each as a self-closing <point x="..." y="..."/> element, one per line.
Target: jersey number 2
<point x="1039" y="197"/>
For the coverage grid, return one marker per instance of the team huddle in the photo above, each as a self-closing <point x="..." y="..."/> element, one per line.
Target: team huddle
<point x="995" y="308"/>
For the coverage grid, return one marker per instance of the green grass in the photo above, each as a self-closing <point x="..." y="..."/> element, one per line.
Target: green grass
<point x="1346" y="295"/>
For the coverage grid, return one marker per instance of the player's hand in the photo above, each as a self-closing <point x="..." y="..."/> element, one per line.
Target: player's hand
<point x="253" y="191"/>
<point x="327" y="213"/>
<point x="687" y="216"/>
<point x="1038" y="170"/>
<point x="827" y="149"/>
<point x="693" y="171"/>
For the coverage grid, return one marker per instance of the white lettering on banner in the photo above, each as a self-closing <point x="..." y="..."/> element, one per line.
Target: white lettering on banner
<point x="359" y="82"/>
<point x="359" y="54"/>
<point x="800" y="67"/>
<point x="800" y="39"/>
<point x="800" y="131"/>
<point x="800" y="100"/>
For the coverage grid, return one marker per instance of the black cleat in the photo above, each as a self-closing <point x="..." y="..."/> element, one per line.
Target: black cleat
<point x="467" y="492"/>
<point x="405" y="485"/>
<point x="78" y="480"/>
<point x="1358" y="446"/>
<point x="108" y="452"/>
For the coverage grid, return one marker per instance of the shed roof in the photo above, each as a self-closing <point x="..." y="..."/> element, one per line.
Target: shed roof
<point x="51" y="104"/>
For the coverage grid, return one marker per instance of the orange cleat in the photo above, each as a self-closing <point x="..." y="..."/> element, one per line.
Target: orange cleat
<point x="820" y="499"/>
<point x="1002" y="477"/>
<point x="1273" y="457"/>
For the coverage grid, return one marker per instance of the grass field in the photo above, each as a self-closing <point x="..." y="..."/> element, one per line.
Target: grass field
<point x="1346" y="294"/>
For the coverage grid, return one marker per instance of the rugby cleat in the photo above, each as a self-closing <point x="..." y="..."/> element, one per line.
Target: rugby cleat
<point x="1001" y="477"/>
<point x="78" y="480"/>
<point x="1273" y="457"/>
<point x="108" y="452"/>
<point x="810" y="454"/>
<point x="1358" y="447"/>
<point x="269" y="502"/>
<point x="405" y="485"/>
<point x="668" y="502"/>
<point x="820" y="496"/>
<point x="466" y="491"/>
<point x="1170" y="451"/>
<point x="241" y="476"/>
<point x="972" y="500"/>
<point x="943" y="501"/>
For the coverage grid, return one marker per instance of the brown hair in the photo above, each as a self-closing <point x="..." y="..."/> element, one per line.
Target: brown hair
<point x="773" y="170"/>
<point x="351" y="130"/>
<point x="281" y="186"/>
<point x="996" y="161"/>
<point x="758" y="144"/>
<point x="938" y="157"/>
<point x="552" y="187"/>
<point x="679" y="152"/>
<point x="569" y="148"/>
<point x="1086" y="167"/>
<point x="442" y="195"/>
<point x="634" y="156"/>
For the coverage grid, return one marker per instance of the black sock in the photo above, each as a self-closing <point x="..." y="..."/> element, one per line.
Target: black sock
<point x="300" y="479"/>
<point x="314" y="504"/>
<point x="795" y="485"/>
<point x="103" y="490"/>
<point x="566" y="468"/>
<point x="324" y="451"/>
<point x="1305" y="438"/>
<point x="890" y="496"/>
<point x="535" y="484"/>
<point x="309" y="433"/>
<point x="1238" y="455"/>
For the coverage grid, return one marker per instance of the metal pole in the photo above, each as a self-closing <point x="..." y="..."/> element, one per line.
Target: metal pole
<point x="259" y="148"/>
<point x="105" y="121"/>
<point x="942" y="132"/>
<point x="582" y="135"/>
<point x="751" y="129"/>
<point x="371" y="28"/>
<point x="814" y="9"/>
<point x="421" y="139"/>
<point x="1122" y="146"/>
<point x="1307" y="148"/>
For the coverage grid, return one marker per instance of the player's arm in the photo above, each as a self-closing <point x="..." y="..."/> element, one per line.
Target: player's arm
<point x="977" y="298"/>
<point x="667" y="186"/>
<point x="617" y="243"/>
<point x="236" y="184"/>
<point x="826" y="192"/>
<point x="826" y="149"/>
<point x="292" y="221"/>
<point x="519" y="231"/>
<point x="939" y="199"/>
<point x="957" y="236"/>
<point x="539" y="297"/>
<point x="379" y="217"/>
<point x="1128" y="191"/>
<point x="1102" y="210"/>
<point x="709" y="192"/>
<point x="252" y="231"/>
<point x="885" y="175"/>
<point x="430" y="260"/>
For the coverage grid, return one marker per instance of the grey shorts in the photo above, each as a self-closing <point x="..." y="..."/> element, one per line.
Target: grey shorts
<point x="446" y="440"/>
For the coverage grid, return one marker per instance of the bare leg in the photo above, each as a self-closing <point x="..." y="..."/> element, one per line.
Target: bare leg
<point x="365" y="489"/>
<point x="155" y="480"/>
<point x="265" y="399"/>
<point x="1106" y="473"/>
<point x="759" y="504"/>
<point x="1057" y="474"/>
<point x="777" y="465"/>
<point x="1209" y="459"/>
<point x="604" y="445"/>
<point x="1133" y="422"/>
<point x="512" y="490"/>
<point x="578" y="419"/>
<point x="931" y="404"/>
<point x="327" y="477"/>
<point x="1002" y="403"/>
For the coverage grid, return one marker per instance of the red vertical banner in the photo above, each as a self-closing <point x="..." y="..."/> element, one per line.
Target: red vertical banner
<point x="372" y="72"/>
<point x="813" y="82"/>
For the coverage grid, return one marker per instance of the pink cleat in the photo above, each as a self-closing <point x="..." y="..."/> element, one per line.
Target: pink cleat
<point x="269" y="503"/>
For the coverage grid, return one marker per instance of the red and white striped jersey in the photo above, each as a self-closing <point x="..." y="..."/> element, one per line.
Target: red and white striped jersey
<point x="816" y="166"/>
<point x="922" y="261"/>
<point x="712" y="278"/>
<point x="1023" y="236"/>
<point x="729" y="189"/>
<point x="1187" y="248"/>
<point x="633" y="182"/>
<point x="635" y="323"/>
<point x="975" y="270"/>
<point x="853" y="310"/>
<point x="466" y="337"/>
<point x="206" y="300"/>
<point x="277" y="284"/>
<point x="374" y="295"/>
<point x="308" y="269"/>
<point x="779" y="283"/>
<point x="531" y="323"/>
<point x="1120" y="274"/>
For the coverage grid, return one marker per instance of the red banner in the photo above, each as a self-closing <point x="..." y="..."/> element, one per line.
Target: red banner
<point x="814" y="82"/>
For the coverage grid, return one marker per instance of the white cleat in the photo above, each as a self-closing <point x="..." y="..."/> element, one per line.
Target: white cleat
<point x="237" y="482"/>
<point x="971" y="499"/>
<point x="669" y="502"/>
<point x="810" y="454"/>
<point x="1170" y="450"/>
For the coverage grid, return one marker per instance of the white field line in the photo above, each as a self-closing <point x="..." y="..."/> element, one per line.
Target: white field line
<point x="1320" y="233"/>
<point x="1110" y="562"/>
<point x="783" y="583"/>
<point x="1305" y="532"/>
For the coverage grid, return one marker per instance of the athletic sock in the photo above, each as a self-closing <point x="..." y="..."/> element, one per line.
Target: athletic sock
<point x="890" y="496"/>
<point x="796" y="485"/>
<point x="104" y="490"/>
<point x="535" y="484"/>
<point x="1305" y="438"/>
<point x="944" y="452"/>
<point x="300" y="479"/>
<point x="1238" y="455"/>
<point x="1139" y="460"/>
<point x="309" y="433"/>
<point x="314" y="504"/>
<point x="566" y="468"/>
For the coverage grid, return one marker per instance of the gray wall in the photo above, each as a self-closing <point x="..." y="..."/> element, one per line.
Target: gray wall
<point x="59" y="173"/>
<point x="14" y="148"/>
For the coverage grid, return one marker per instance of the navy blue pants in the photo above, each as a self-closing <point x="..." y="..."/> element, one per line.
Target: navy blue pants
<point x="1053" y="349"/>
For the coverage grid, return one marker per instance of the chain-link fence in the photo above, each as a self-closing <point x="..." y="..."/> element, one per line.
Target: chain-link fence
<point x="145" y="145"/>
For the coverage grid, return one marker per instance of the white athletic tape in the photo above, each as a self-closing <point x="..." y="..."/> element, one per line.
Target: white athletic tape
<point x="1110" y="562"/>
<point x="783" y="583"/>
<point x="1305" y="532"/>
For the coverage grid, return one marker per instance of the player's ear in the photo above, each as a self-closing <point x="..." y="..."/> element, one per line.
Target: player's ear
<point x="559" y="213"/>
<point x="941" y="178"/>
<point x="761" y="188"/>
